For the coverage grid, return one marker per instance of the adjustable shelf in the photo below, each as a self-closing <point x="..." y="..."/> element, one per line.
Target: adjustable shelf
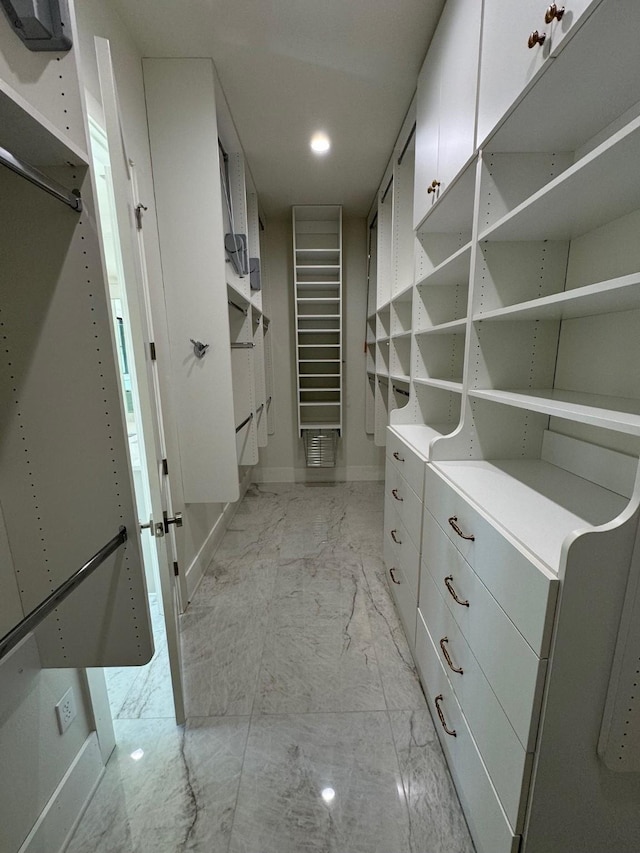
<point x="317" y="252"/>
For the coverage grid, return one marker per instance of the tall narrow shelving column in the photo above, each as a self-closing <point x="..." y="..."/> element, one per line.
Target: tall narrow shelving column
<point x="317" y="264"/>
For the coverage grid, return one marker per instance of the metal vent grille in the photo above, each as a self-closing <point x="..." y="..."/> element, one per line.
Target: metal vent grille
<point x="320" y="447"/>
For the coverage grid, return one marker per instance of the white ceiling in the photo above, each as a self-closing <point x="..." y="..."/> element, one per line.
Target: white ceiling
<point x="290" y="67"/>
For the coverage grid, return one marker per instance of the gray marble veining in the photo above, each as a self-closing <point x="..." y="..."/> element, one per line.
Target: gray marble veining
<point x="166" y="789"/>
<point x="319" y="653"/>
<point x="308" y="730"/>
<point x="313" y="782"/>
<point x="436" y="821"/>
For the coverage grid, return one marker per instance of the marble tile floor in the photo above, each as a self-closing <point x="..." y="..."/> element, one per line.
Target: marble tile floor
<point x="307" y="730"/>
<point x="143" y="691"/>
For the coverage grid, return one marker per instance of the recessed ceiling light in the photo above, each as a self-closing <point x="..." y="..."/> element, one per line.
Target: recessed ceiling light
<point x="320" y="143"/>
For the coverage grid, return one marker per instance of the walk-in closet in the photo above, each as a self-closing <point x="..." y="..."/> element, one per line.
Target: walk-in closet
<point x="319" y="435"/>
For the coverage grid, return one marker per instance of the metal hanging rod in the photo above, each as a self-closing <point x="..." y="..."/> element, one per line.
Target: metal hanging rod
<point x="33" y="619"/>
<point x="35" y="176"/>
<point x="260" y="408"/>
<point x="244" y="422"/>
<point x="400" y="391"/>
<point x="242" y="345"/>
<point x="237" y="307"/>
<point x="407" y="143"/>
<point x="384" y="194"/>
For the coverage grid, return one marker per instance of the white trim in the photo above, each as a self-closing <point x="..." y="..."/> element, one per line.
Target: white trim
<point x="352" y="473"/>
<point x="60" y="817"/>
<point x="198" y="565"/>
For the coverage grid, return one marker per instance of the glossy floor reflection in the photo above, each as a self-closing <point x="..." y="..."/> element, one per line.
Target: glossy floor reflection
<point x="307" y="728"/>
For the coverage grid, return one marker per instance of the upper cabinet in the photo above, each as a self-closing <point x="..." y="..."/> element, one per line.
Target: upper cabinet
<point x="521" y="38"/>
<point x="446" y="104"/>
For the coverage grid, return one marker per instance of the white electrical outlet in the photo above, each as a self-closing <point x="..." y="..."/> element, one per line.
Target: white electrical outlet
<point x="66" y="711"/>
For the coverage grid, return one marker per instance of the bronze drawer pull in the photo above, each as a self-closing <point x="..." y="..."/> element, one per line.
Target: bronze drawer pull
<point x="434" y="186"/>
<point x="445" y="652"/>
<point x="449" y="731"/>
<point x="394" y="492"/>
<point x="397" y="456"/>
<point x="535" y="38"/>
<point x="393" y="577"/>
<point x="453" y="521"/>
<point x="394" y="537"/>
<point x="553" y="12"/>
<point x="448" y="583"/>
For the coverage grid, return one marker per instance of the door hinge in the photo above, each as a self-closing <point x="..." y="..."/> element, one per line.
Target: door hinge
<point x="176" y="570"/>
<point x="165" y="467"/>
<point x="139" y="209"/>
<point x="152" y="350"/>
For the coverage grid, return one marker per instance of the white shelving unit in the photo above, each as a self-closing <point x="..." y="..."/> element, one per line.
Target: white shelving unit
<point x="66" y="485"/>
<point x="317" y="259"/>
<point x="524" y="412"/>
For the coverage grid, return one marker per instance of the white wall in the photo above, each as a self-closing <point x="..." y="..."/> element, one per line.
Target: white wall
<point x="283" y="459"/>
<point x="34" y="756"/>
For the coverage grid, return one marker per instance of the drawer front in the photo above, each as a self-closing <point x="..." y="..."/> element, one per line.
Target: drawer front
<point x="404" y="593"/>
<point x="506" y="760"/>
<point x="405" y="500"/>
<point x="516" y="674"/>
<point x="402" y="551"/>
<point x="408" y="463"/>
<point x="525" y="593"/>
<point x="485" y="816"/>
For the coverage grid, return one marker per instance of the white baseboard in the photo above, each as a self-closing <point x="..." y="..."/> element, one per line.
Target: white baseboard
<point x="198" y="565"/>
<point x="352" y="473"/>
<point x="60" y="817"/>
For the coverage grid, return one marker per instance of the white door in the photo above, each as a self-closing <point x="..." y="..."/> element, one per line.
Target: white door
<point x="160" y="534"/>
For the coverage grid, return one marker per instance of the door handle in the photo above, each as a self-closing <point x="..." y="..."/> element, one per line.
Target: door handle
<point x="177" y="520"/>
<point x="154" y="529"/>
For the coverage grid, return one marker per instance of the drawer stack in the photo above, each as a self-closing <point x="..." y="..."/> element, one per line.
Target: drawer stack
<point x="404" y="481"/>
<point x="482" y="643"/>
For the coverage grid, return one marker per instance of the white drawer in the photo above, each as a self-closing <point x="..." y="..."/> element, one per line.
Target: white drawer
<point x="526" y="594"/>
<point x="405" y="500"/>
<point x="402" y="552"/>
<point x="506" y="760"/>
<point x="485" y="816"/>
<point x="404" y="593"/>
<point x="516" y="674"/>
<point x="407" y="461"/>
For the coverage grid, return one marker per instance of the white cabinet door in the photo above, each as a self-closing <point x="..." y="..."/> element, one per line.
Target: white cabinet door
<point x="181" y="94"/>
<point x="507" y="64"/>
<point x="427" y="132"/>
<point x="459" y="32"/>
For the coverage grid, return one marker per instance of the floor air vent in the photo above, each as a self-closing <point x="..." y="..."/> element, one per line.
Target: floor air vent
<point x="320" y="447"/>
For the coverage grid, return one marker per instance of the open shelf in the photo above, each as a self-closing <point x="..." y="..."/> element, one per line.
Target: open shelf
<point x="453" y="210"/>
<point x="420" y="436"/>
<point x="454" y="326"/>
<point x="453" y="270"/>
<point x="618" y="294"/>
<point x="597" y="189"/>
<point x="615" y="413"/>
<point x="444" y="384"/>
<point x="535" y="502"/>
<point x="317" y="250"/>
